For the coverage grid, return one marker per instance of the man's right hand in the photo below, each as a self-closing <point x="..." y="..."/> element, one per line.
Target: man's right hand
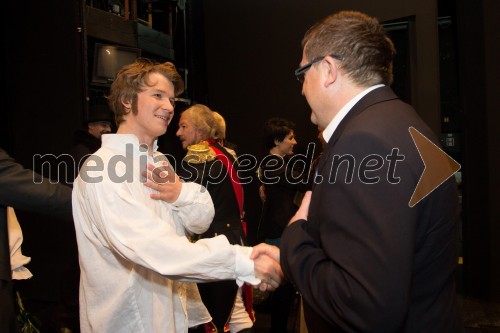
<point x="267" y="267"/>
<point x="164" y="180"/>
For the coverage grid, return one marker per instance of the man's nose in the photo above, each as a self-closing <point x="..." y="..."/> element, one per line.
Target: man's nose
<point x="169" y="105"/>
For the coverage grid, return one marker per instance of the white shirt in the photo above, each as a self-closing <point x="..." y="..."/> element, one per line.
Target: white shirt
<point x="133" y="250"/>
<point x="334" y="123"/>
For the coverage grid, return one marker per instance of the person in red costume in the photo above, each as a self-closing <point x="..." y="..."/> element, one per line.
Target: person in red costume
<point x="209" y="163"/>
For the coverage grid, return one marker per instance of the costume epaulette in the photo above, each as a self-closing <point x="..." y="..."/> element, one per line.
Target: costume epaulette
<point x="199" y="153"/>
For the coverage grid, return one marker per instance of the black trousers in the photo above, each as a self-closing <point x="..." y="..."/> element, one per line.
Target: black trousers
<point x="281" y="302"/>
<point x="219" y="298"/>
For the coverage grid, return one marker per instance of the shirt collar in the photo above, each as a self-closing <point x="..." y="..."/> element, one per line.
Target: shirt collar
<point x="334" y="123"/>
<point x="119" y="142"/>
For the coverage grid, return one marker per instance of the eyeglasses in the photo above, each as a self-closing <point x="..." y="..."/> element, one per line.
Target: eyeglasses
<point x="301" y="71"/>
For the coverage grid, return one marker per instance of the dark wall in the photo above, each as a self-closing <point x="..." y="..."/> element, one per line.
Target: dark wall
<point x="43" y="97"/>
<point x="479" y="40"/>
<point x="254" y="47"/>
<point x="492" y="83"/>
<point x="42" y="105"/>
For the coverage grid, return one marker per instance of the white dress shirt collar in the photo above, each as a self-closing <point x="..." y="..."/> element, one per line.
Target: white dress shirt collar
<point x="334" y="123"/>
<point x="119" y="142"/>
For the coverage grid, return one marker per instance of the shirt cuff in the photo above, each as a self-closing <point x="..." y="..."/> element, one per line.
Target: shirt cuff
<point x="244" y="266"/>
<point x="188" y="192"/>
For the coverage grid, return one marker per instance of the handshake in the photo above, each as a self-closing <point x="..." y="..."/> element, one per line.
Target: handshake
<point x="267" y="257"/>
<point x="267" y="267"/>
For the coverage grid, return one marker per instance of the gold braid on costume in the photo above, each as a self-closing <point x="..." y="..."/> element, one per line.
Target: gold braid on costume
<point x="199" y="153"/>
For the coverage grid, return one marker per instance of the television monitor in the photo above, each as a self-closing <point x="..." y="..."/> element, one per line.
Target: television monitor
<point x="109" y="59"/>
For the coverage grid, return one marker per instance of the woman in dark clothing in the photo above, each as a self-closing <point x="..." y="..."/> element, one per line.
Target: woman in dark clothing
<point x="280" y="184"/>
<point x="280" y="179"/>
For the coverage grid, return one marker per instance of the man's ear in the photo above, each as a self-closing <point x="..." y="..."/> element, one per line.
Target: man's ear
<point x="200" y="136"/>
<point x="126" y="104"/>
<point x="330" y="71"/>
<point x="277" y="142"/>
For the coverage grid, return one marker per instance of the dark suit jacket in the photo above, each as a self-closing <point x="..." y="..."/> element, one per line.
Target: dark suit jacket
<point x="18" y="190"/>
<point x="365" y="261"/>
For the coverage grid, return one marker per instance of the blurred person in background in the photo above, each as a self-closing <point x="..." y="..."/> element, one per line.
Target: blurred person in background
<point x="280" y="184"/>
<point x="207" y="162"/>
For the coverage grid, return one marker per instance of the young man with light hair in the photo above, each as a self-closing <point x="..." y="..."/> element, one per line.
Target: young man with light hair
<point x="137" y="263"/>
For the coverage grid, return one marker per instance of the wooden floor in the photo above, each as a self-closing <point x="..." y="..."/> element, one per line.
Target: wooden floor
<point x="480" y="316"/>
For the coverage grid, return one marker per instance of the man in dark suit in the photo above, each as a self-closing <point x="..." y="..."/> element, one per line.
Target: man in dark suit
<point x="23" y="189"/>
<point x="362" y="258"/>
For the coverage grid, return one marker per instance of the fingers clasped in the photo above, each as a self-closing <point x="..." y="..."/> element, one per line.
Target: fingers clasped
<point x="267" y="267"/>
